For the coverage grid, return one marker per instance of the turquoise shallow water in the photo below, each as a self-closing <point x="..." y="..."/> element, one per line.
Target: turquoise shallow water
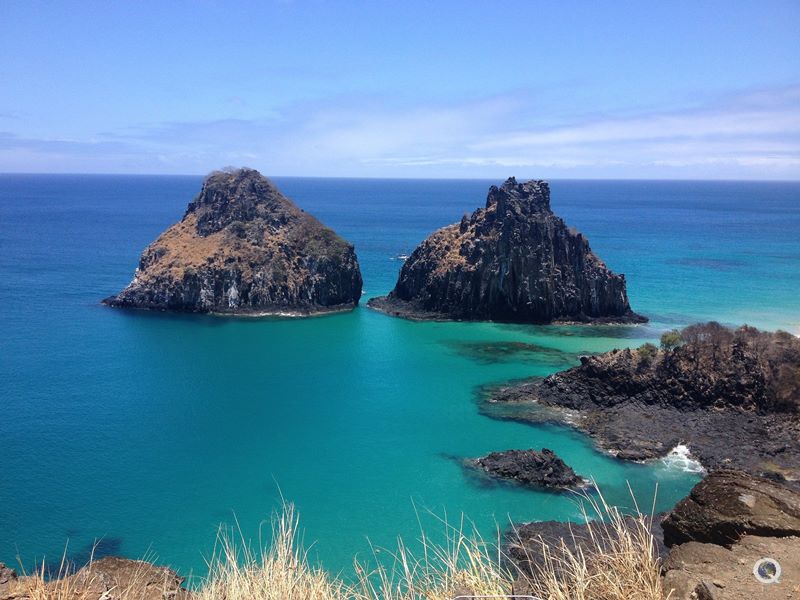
<point x="149" y="430"/>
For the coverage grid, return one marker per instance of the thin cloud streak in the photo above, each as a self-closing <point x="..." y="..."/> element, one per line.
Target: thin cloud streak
<point x="755" y="134"/>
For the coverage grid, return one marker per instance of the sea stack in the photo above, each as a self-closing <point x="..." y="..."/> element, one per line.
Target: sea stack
<point x="244" y="248"/>
<point x="512" y="261"/>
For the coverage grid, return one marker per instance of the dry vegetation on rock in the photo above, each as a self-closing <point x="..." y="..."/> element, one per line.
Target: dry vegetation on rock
<point x="622" y="565"/>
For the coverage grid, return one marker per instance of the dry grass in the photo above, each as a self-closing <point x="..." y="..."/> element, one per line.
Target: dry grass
<point x="66" y="584"/>
<point x="616" y="559"/>
<point x="618" y="562"/>
<point x="280" y="571"/>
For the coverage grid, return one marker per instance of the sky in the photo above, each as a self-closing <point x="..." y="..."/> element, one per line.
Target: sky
<point x="485" y="89"/>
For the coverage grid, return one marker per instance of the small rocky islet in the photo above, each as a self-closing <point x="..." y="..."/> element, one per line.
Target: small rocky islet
<point x="529" y="468"/>
<point x="243" y="248"/>
<point x="512" y="261"/>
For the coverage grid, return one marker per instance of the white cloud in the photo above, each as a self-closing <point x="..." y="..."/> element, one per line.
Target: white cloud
<point x="750" y="135"/>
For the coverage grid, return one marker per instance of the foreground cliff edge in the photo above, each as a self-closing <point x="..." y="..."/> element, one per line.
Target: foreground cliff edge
<point x="512" y="261"/>
<point x="243" y="248"/>
<point x="708" y="547"/>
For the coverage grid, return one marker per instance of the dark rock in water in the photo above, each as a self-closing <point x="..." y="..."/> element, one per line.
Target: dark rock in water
<point x="729" y="504"/>
<point x="731" y="397"/>
<point x="512" y="261"/>
<point x="530" y="468"/>
<point x="244" y="248"/>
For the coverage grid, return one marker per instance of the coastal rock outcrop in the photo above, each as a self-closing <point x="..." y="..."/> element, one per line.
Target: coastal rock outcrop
<point x="697" y="571"/>
<point x="718" y="537"/>
<point x="109" y="578"/>
<point x="529" y="468"/>
<point x="512" y="261"/>
<point x="529" y="545"/>
<point x="731" y="397"/>
<point x="727" y="505"/>
<point x="727" y="526"/>
<point x="244" y="248"/>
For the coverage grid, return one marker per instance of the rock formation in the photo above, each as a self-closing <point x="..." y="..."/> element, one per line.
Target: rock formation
<point x="109" y="578"/>
<point x="729" y="522"/>
<point x="244" y="248"/>
<point x="530" y="545"/>
<point x="529" y="468"/>
<point x="714" y="539"/>
<point x="732" y="397"/>
<point x="729" y="504"/>
<point x="512" y="261"/>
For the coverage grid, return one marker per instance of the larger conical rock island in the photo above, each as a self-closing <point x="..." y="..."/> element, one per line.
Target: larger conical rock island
<point x="512" y="261"/>
<point x="244" y="248"/>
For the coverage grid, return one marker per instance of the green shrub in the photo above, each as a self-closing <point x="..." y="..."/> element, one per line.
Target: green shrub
<point x="670" y="340"/>
<point x="647" y="352"/>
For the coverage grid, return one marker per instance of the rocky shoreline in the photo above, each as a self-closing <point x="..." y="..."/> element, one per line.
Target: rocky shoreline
<point x="708" y="544"/>
<point x="726" y="400"/>
<point x="414" y="311"/>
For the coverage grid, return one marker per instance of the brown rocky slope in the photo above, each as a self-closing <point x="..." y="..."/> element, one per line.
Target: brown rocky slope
<point x="244" y="248"/>
<point x="512" y="261"/>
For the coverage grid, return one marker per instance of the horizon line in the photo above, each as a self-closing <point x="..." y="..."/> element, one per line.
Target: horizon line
<point x="378" y="178"/>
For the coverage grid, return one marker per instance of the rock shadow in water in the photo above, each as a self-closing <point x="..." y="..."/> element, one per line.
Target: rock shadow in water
<point x="612" y="331"/>
<point x="74" y="560"/>
<point x="716" y="264"/>
<point x="491" y="352"/>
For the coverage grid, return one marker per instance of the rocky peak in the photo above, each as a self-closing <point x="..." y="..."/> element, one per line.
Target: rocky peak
<point x="238" y="195"/>
<point x="521" y="198"/>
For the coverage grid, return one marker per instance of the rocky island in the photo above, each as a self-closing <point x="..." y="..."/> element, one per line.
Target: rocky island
<point x="529" y="468"/>
<point x="732" y="397"/>
<point x="244" y="248"/>
<point x="512" y="261"/>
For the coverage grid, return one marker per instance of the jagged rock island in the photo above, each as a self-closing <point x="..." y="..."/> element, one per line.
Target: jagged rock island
<point x="512" y="261"/>
<point x="244" y="248"/>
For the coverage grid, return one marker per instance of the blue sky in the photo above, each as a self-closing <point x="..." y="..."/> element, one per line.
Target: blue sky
<point x="660" y="89"/>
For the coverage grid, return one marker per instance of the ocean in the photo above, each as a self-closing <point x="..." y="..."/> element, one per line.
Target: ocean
<point x="147" y="431"/>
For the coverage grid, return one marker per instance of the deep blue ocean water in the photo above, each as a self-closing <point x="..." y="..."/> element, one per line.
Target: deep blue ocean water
<point x="149" y="430"/>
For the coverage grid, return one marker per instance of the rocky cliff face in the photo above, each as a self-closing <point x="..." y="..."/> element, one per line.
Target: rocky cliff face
<point x="513" y="261"/>
<point x="732" y="397"/>
<point x="244" y="248"/>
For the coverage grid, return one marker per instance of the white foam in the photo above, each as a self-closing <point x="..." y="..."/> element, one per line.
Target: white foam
<point x="680" y="457"/>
